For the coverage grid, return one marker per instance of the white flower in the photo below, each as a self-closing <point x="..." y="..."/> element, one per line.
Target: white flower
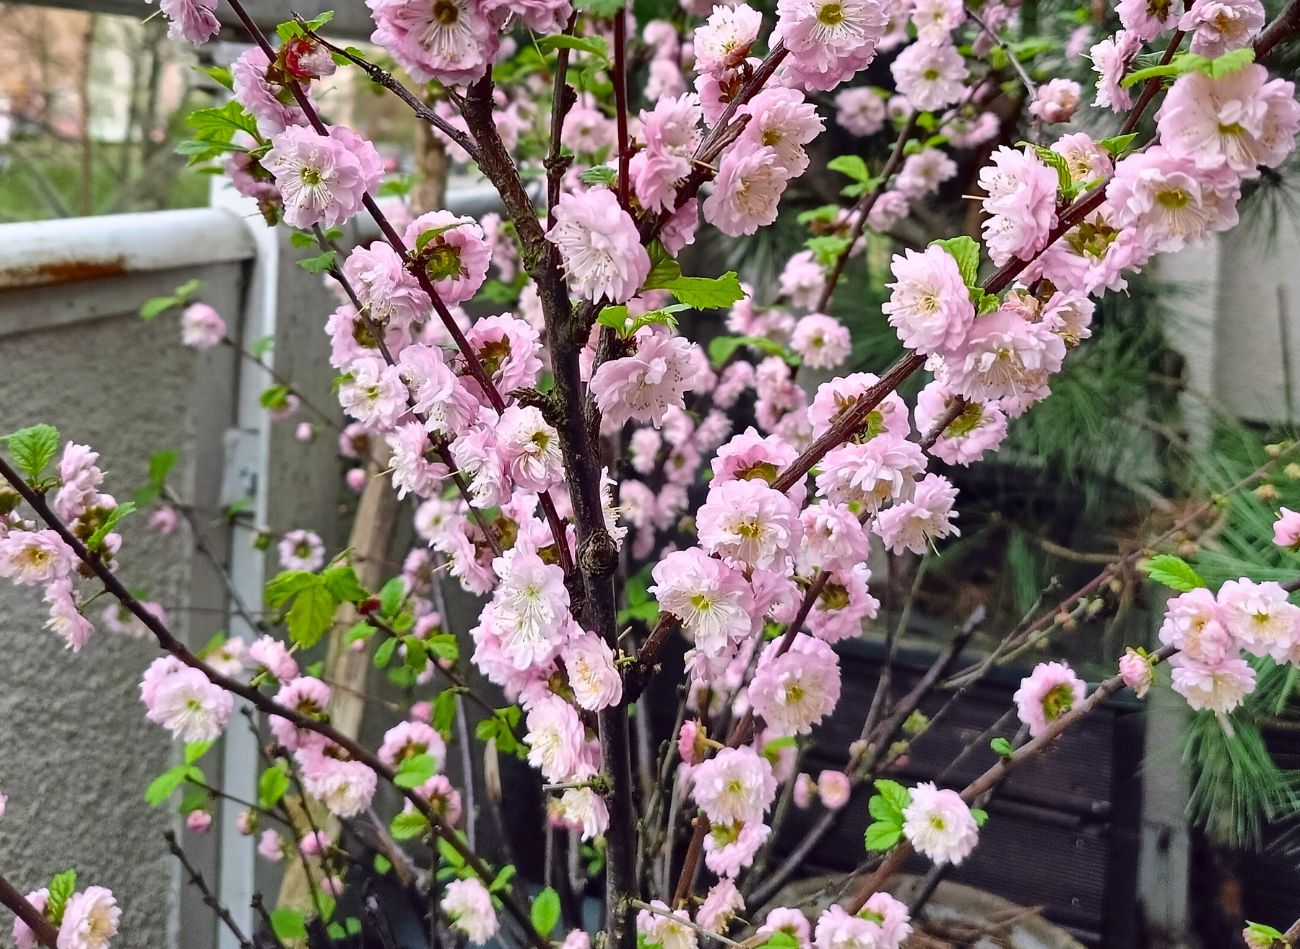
<point x="939" y="825"/>
<point x="468" y="905"/>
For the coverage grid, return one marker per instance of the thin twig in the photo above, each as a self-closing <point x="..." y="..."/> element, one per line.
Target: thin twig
<point x="209" y="898"/>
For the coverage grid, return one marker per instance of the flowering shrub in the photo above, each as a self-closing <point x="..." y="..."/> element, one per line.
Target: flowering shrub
<point x="558" y="450"/>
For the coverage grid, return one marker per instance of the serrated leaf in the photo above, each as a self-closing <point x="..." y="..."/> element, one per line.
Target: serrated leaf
<point x="664" y="269"/>
<point x="966" y="251"/>
<point x="218" y="74"/>
<point x="851" y="165"/>
<point x="288" y="924"/>
<point x="415" y="770"/>
<point x="593" y="45"/>
<point x="444" y="646"/>
<point x="600" y="175"/>
<point x="444" y="712"/>
<point x="707" y="293"/>
<point x="407" y="825"/>
<point x="302" y="239"/>
<point x="311" y="614"/>
<point x="1118" y="145"/>
<point x="827" y="248"/>
<point x="96" y="540"/>
<point x="163" y="786"/>
<point x="286" y="584"/>
<point x="220" y="124"/>
<point x="197" y="749"/>
<point x="1229" y="63"/>
<point x="1002" y="747"/>
<point x="320" y="263"/>
<point x="882" y="836"/>
<point x="722" y="348"/>
<point x="1172" y="572"/>
<point x="33" y="448"/>
<point x="342" y="583"/>
<point x="1057" y="162"/>
<point x="62" y="886"/>
<point x="272" y="785"/>
<point x="384" y="653"/>
<point x="545" y="912"/>
<point x="391" y="595"/>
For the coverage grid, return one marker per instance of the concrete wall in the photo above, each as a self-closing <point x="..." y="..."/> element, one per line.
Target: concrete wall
<point x="75" y="750"/>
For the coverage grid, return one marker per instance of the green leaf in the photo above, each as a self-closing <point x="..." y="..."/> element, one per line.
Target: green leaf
<point x="966" y="251"/>
<point x="444" y="712"/>
<point x="274" y="397"/>
<point x="384" y="654"/>
<point x="219" y="125"/>
<point x="288" y="583"/>
<point x="1264" y="935"/>
<point x="882" y="836"/>
<point x="433" y="233"/>
<point x="1172" y="572"/>
<point x="302" y="239"/>
<point x="1057" y="162"/>
<point x="545" y="912"/>
<point x="600" y="175"/>
<point x="707" y="293"/>
<point x="320" y="263"/>
<point x="1117" y="145"/>
<point x="981" y="816"/>
<point x="163" y="786"/>
<point x="311" y="615"/>
<point x="616" y="318"/>
<point x="342" y="583"/>
<point x="196" y="750"/>
<point x="391" y="595"/>
<point x="502" y="879"/>
<point x="33" y="448"/>
<point x="1229" y="63"/>
<point x="850" y="165"/>
<point x="1001" y="747"/>
<point x="156" y="306"/>
<point x="382" y="864"/>
<point x="450" y="855"/>
<point x="415" y="770"/>
<point x="407" y="825"/>
<point x="260" y="347"/>
<point x="827" y="248"/>
<point x="595" y="45"/>
<point x="62" y="886"/>
<point x="272" y="785"/>
<point x="444" y="646"/>
<point x="600" y="8"/>
<point x="721" y="348"/>
<point x="780" y="939"/>
<point x="218" y="74"/>
<point x="161" y="464"/>
<point x="288" y="924"/>
<point x="96" y="540"/>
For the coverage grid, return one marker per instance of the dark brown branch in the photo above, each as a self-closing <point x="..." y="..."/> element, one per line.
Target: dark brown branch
<point x="209" y="898"/>
<point x="41" y="927"/>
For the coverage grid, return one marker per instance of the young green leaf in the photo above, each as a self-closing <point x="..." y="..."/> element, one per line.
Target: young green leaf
<point x="850" y="165"/>
<point x="545" y="912"/>
<point x="33" y="448"/>
<point x="343" y="585"/>
<point x="311" y="615"/>
<point x="444" y="712"/>
<point x="407" y="825"/>
<point x="321" y="263"/>
<point x="883" y="836"/>
<point x="1001" y="747"/>
<point x="1172" y="572"/>
<point x="966" y="252"/>
<point x="288" y="924"/>
<point x="415" y="770"/>
<point x="707" y="293"/>
<point x="96" y="540"/>
<point x="272" y="785"/>
<point x="62" y="886"/>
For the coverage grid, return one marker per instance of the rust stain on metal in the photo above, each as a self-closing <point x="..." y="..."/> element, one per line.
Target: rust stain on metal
<point x="52" y="272"/>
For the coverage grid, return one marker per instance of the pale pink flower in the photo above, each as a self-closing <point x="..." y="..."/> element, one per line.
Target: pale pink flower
<point x="410" y="739"/>
<point x="66" y="619"/>
<point x="844" y="605"/>
<point x="836" y="929"/>
<point x="645" y="385"/>
<point x="164" y="520"/>
<point x="890" y="208"/>
<point x="600" y="246"/>
<point x="24" y="938"/>
<point x="840" y="394"/>
<point x="456" y="259"/>
<point x="679" y="230"/>
<point x="1193" y="624"/>
<point x="833" y="788"/>
<point x="201" y="326"/>
<point x="468" y="905"/>
<point x="529" y="447"/>
<point x="449" y="40"/>
<point x="253" y="90"/>
<point x="822" y="341"/>
<point x="792" y="922"/>
<point x="939" y="824"/>
<point x="748" y="522"/>
<point x="198" y="821"/>
<point x="833" y="538"/>
<point x="1286" y="529"/>
<point x="90" y="919"/>
<point x="881" y="469"/>
<point x="1230" y="122"/>
<point x="556" y="742"/>
<point x="1147" y="19"/>
<point x="782" y="119"/>
<point x="666" y="929"/>
<point x="1020" y="202"/>
<point x="530" y="607"/>
<point x="270" y="846"/>
<point x="509" y="350"/>
<point x="731" y="847"/>
<point x="924" y="172"/>
<point x="412" y="471"/>
<point x="374" y="393"/>
<point x="576" y="939"/>
<point x="721" y="905"/>
<point x="1057" y="100"/>
<point x="540" y="16"/>
<point x="860" y="110"/>
<point x="828" y="40"/>
<point x="1259" y="617"/>
<point x="916" y="524"/>
<point x="895" y="924"/>
<point x="1218" y="26"/>
<point x="193" y="20"/>
<point x="802" y="279"/>
<point x="931" y="77"/>
<point x="980" y="427"/>
<point x="1219" y="687"/>
<point x="723" y="41"/>
<point x="1136" y="671"/>
<point x="30" y="558"/>
<point x="690" y="742"/>
<point x="1005" y="356"/>
<point x="1110" y="60"/>
<point x="385" y="287"/>
<point x="184" y="702"/>
<point x="322" y="178"/>
<point x="1046" y="694"/>
<point x="929" y="305"/>
<point x="587" y="130"/>
<point x="346" y="788"/>
<point x="711" y="598"/>
<point x="746" y="191"/>
<point x="671" y="131"/>
<point x="595" y="681"/>
<point x="795" y="690"/>
<point x="581" y="810"/>
<point x="935" y="20"/>
<point x="272" y="657"/>
<point x="737" y="784"/>
<point x="1169" y="200"/>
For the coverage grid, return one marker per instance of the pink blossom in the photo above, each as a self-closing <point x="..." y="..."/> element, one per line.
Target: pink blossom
<point x="1046" y="694"/>
<point x="723" y="41"/>
<point x="795" y="690"/>
<point x="322" y="178"/>
<point x="1171" y="201"/>
<point x="833" y="788"/>
<point x="451" y="41"/>
<point x="720" y="906"/>
<point x="411" y="739"/>
<point x="385" y="287"/>
<point x="792" y="922"/>
<point x="1147" y="19"/>
<point x="888" y="209"/>
<point x="468" y="905"/>
<point x="1136" y="671"/>
<point x="828" y="40"/>
<point x="1110" y="60"/>
<point x="90" y="919"/>
<point x="895" y="924"/>
<point x="923" y="172"/>
<point x="860" y="110"/>
<point x="929" y="305"/>
<point x="1286" y="529"/>
<point x="781" y="119"/>
<point x="690" y="742"/>
<point x="1239" y="121"/>
<point x="600" y="246"/>
<point x="710" y="597"/>
<point x="1005" y="356"/>
<point x="836" y="397"/>
<point x="456" y="259"/>
<point x="346" y="788"/>
<point x="1259" y="617"/>
<point x="31" y="558"/>
<point x="979" y="428"/>
<point x="1218" y="687"/>
<point x="595" y="681"/>
<point x="822" y="341"/>
<point x="737" y="784"/>
<point x="833" y="538"/>
<point x="198" y="821"/>
<point x="272" y="657"/>
<point x="164" y="520"/>
<point x="302" y="550"/>
<point x="530" y="607"/>
<point x="671" y="131"/>
<point x="645" y="385"/>
<point x="802" y="279"/>
<point x="201" y="326"/>
<point x="939" y="824"/>
<point x="881" y="469"/>
<point x="555" y="739"/>
<point x="845" y="603"/>
<point x="66" y="619"/>
<point x="24" y="938"/>
<point x="540" y="16"/>
<point x="731" y="847"/>
<point x="1020" y="202"/>
<point x="748" y="522"/>
<point x="184" y="702"/>
<point x="836" y="929"/>
<point x="935" y="20"/>
<point x="1218" y="26"/>
<point x="665" y="928"/>
<point x="587" y="130"/>
<point x="374" y="394"/>
<point x="193" y="20"/>
<point x="270" y="846"/>
<point x="529" y="448"/>
<point x="1057" y="100"/>
<point x="412" y="471"/>
<point x="509" y="350"/>
<point x="581" y="810"/>
<point x="254" y="92"/>
<point x="746" y="191"/>
<point x="679" y="230"/>
<point x="931" y="77"/>
<point x="1193" y="624"/>
<point x="916" y="524"/>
